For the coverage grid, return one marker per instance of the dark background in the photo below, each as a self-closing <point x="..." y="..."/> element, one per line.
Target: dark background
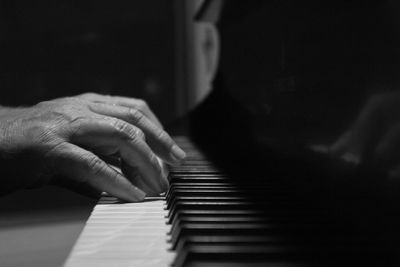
<point x="51" y="49"/>
<point x="303" y="70"/>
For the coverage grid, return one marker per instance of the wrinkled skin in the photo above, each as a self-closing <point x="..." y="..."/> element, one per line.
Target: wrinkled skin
<point x="76" y="140"/>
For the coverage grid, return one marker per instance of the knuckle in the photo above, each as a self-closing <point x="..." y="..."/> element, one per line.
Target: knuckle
<point x="127" y="130"/>
<point x="40" y="133"/>
<point x="120" y="126"/>
<point x="164" y="136"/>
<point x="76" y="125"/>
<point x="135" y="115"/>
<point x="139" y="134"/>
<point x="141" y="104"/>
<point x="114" y="177"/>
<point x="78" y="121"/>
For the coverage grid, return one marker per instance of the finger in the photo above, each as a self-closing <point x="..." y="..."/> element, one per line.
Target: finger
<point x="136" y="179"/>
<point x="83" y="166"/>
<point x="126" y="140"/>
<point x="158" y="139"/>
<point x="126" y="102"/>
<point x="138" y="104"/>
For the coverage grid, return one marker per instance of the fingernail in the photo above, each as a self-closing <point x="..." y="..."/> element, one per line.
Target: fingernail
<point x="137" y="194"/>
<point x="164" y="184"/>
<point x="177" y="153"/>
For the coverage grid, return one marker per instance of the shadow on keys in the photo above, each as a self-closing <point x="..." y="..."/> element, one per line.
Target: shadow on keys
<point x="39" y="227"/>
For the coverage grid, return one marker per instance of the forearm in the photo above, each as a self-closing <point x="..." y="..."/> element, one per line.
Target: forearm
<point x="20" y="166"/>
<point x="6" y="111"/>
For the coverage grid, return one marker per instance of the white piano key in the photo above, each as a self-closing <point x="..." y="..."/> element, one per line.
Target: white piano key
<point x="123" y="234"/>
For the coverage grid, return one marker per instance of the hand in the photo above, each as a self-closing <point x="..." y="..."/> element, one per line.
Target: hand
<point x="375" y="135"/>
<point x="77" y="138"/>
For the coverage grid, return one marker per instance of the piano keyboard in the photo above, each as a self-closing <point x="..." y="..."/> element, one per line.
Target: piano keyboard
<point x="206" y="219"/>
<point x="136" y="234"/>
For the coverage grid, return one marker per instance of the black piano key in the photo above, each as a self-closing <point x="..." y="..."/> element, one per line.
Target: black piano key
<point x="214" y="213"/>
<point x="199" y="170"/>
<point x="301" y="228"/>
<point x="191" y="189"/>
<point x="219" y="220"/>
<point x="219" y="216"/>
<point x="212" y="205"/>
<point x="200" y="175"/>
<point x="225" y="240"/>
<point x="245" y="229"/>
<point x="254" y="255"/>
<point x="188" y="193"/>
<point x="192" y="162"/>
<point x="191" y="185"/>
<point x="287" y="221"/>
<point x="198" y="178"/>
<point x="225" y="191"/>
<point x="207" y="220"/>
<point x="204" y="199"/>
<point x="337" y="242"/>
<point x="214" y="209"/>
<point x="236" y="254"/>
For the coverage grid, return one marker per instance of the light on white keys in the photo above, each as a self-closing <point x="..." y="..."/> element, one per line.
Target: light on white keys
<point x="123" y="234"/>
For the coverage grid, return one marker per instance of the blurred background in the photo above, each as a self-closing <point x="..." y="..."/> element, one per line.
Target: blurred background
<point x="51" y="49"/>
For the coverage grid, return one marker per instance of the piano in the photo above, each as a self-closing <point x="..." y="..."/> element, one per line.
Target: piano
<point x="250" y="192"/>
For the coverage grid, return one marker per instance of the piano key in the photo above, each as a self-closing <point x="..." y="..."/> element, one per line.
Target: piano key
<point x="261" y="255"/>
<point x="220" y="220"/>
<point x="203" y="179"/>
<point x="204" y="212"/>
<point x="121" y="234"/>
<point x="245" y="229"/>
